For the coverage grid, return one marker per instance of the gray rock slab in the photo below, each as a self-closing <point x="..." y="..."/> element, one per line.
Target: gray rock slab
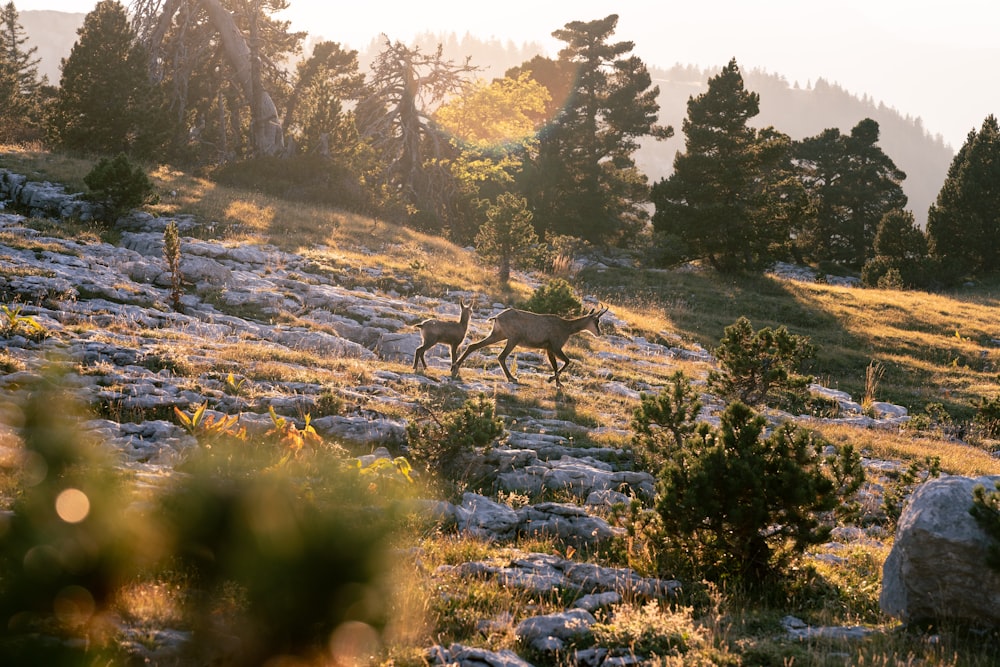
<point x="937" y="567"/>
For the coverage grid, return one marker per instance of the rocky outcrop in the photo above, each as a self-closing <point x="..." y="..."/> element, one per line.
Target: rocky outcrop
<point x="41" y="198"/>
<point x="544" y="573"/>
<point x="107" y="312"/>
<point x="937" y="567"/>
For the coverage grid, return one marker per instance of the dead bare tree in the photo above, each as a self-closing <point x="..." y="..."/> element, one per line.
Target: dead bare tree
<point x="407" y="87"/>
<point x="153" y="20"/>
<point x="532" y="330"/>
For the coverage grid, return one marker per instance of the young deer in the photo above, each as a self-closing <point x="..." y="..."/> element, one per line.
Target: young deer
<point x="435" y="331"/>
<point x="544" y="332"/>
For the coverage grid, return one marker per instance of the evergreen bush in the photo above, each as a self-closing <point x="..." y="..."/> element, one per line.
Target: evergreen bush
<point x="119" y="186"/>
<point x="758" y="368"/>
<point x="662" y="423"/>
<point x="443" y="445"/>
<point x="738" y="502"/>
<point x="986" y="511"/>
<point x="555" y="297"/>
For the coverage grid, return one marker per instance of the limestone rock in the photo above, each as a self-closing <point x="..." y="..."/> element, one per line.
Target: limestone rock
<point x="549" y="633"/>
<point x="468" y="656"/>
<point x="937" y="567"/>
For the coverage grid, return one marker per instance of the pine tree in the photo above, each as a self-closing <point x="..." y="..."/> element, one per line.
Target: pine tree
<point x="739" y="501"/>
<point x="106" y="103"/>
<point x="507" y="237"/>
<point x="317" y="115"/>
<point x="900" y="253"/>
<point x="584" y="181"/>
<point x="963" y="225"/>
<point x="720" y="186"/>
<point x="20" y="87"/>
<point x="854" y="184"/>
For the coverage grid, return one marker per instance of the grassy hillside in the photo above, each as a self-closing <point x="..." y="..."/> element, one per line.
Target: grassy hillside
<point x="935" y="348"/>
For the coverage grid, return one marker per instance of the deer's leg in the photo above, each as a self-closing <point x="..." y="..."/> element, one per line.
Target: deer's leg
<point x="454" y="352"/>
<point x="558" y="371"/>
<point x="555" y="366"/>
<point x="489" y="340"/>
<point x="418" y="357"/>
<point x="503" y="359"/>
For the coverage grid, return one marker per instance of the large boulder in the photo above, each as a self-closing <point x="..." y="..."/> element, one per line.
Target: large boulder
<point x="937" y="567"/>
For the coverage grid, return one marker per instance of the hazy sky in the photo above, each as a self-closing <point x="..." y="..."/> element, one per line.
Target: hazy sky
<point x="935" y="60"/>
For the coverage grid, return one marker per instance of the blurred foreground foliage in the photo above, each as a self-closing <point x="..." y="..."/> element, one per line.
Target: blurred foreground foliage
<point x="295" y="546"/>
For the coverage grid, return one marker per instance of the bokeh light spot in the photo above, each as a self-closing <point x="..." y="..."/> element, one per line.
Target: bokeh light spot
<point x="72" y="505"/>
<point x="354" y="644"/>
<point x="74" y="605"/>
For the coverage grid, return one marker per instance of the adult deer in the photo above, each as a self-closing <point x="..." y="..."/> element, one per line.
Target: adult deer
<point x="541" y="332"/>
<point x="435" y="331"/>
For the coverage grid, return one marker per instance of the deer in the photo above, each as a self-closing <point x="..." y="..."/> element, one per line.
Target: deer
<point x="434" y="331"/>
<point x="536" y="331"/>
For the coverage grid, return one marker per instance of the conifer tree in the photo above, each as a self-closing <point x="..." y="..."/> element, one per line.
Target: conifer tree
<point x="507" y="237"/>
<point x="106" y="103"/>
<point x="713" y="200"/>
<point x="584" y="181"/>
<point x="900" y="251"/>
<point x="963" y="225"/>
<point x="318" y="113"/>
<point x="20" y="86"/>
<point x="854" y="183"/>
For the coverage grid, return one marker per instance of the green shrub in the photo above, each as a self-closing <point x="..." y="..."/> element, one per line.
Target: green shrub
<point x="443" y="445"/>
<point x="119" y="186"/>
<point x="662" y="423"/>
<point x="760" y="367"/>
<point x="738" y="503"/>
<point x="987" y="417"/>
<point x="298" y="547"/>
<point x="556" y="297"/>
<point x="66" y="547"/>
<point x="986" y="510"/>
<point x="892" y="279"/>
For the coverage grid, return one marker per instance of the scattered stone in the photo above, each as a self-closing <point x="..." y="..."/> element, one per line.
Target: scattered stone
<point x="465" y="656"/>
<point x="551" y="632"/>
<point x="800" y="630"/>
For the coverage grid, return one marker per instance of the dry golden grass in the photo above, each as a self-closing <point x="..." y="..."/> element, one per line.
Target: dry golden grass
<point x="956" y="458"/>
<point x="330" y="236"/>
<point x="41" y="165"/>
<point x="935" y="348"/>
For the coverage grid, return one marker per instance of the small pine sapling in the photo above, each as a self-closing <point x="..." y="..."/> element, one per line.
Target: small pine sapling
<point x="172" y="254"/>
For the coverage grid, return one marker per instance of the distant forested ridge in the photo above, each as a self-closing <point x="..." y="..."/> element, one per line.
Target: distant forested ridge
<point x="799" y="110"/>
<point x="805" y="111"/>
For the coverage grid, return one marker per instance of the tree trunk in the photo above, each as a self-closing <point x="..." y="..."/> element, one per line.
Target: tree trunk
<point x="267" y="132"/>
